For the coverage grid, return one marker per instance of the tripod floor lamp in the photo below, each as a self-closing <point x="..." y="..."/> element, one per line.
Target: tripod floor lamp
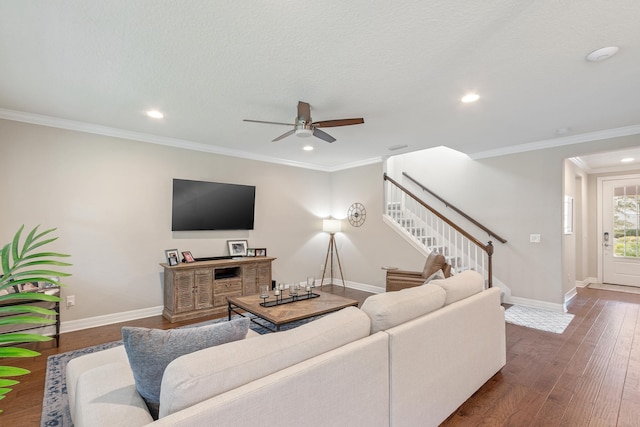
<point x="331" y="226"/>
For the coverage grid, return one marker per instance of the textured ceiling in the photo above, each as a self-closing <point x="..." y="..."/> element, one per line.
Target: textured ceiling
<point x="403" y="66"/>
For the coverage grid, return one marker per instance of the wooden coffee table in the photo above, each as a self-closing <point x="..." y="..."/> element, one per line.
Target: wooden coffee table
<point x="287" y="313"/>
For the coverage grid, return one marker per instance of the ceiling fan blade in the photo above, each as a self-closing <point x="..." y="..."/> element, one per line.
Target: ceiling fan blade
<point x="340" y="122"/>
<point x="323" y="135"/>
<point x="284" y="135"/>
<point x="304" y="112"/>
<point x="269" y="123"/>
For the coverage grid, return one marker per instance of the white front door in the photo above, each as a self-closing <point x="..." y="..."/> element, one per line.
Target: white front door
<point x="620" y="231"/>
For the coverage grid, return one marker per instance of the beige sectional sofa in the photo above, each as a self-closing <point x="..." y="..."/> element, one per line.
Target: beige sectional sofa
<point x="406" y="358"/>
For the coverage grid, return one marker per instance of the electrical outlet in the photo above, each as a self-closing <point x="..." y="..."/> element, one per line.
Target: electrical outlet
<point x="71" y="300"/>
<point x="534" y="238"/>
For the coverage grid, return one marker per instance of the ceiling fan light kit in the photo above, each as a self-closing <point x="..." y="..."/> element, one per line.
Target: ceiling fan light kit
<point x="304" y="127"/>
<point x="304" y="132"/>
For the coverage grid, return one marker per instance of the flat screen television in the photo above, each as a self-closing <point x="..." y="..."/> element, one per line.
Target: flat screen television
<point x="200" y="205"/>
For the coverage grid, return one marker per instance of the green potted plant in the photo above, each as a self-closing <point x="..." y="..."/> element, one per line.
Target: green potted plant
<point x="20" y="265"/>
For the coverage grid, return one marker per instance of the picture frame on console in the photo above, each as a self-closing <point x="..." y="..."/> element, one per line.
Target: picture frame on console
<point x="261" y="252"/>
<point x="237" y="247"/>
<point x="172" y="256"/>
<point x="188" y="257"/>
<point x="251" y="252"/>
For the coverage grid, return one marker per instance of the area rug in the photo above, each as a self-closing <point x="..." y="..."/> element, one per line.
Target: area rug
<point x="55" y="406"/>
<point x="538" y="318"/>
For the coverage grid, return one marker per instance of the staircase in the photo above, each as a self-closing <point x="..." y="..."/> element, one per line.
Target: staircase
<point x="429" y="231"/>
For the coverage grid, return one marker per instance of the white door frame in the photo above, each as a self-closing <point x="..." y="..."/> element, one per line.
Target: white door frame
<point x="599" y="217"/>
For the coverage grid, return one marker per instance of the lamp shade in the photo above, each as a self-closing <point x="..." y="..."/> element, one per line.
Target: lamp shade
<point x="331" y="225"/>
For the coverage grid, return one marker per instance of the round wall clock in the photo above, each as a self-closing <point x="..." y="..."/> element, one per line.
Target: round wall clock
<point x="357" y="214"/>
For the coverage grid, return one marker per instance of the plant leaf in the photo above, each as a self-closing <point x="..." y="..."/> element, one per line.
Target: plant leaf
<point x="35" y="296"/>
<point x="17" y="352"/>
<point x="10" y="371"/>
<point x="44" y="254"/>
<point x="20" y="338"/>
<point x="38" y="273"/>
<point x="27" y="309"/>
<point x="5" y="258"/>
<point x="16" y="242"/>
<point x="24" y="320"/>
<point x="8" y="383"/>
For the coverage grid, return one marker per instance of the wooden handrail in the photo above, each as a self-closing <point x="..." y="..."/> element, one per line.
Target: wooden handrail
<point x="450" y="206"/>
<point x="488" y="248"/>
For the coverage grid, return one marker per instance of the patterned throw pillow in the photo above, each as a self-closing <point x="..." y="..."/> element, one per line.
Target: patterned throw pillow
<point x="151" y="350"/>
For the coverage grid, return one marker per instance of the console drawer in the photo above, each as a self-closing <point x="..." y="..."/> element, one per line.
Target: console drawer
<point x="227" y="285"/>
<point x="221" y="299"/>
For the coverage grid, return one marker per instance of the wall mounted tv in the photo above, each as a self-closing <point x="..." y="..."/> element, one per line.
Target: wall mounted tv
<point x="199" y="205"/>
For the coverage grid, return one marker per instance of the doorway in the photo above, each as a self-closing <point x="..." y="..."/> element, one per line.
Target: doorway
<point x="619" y="238"/>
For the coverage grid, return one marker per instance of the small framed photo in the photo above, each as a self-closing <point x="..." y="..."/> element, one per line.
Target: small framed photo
<point x="251" y="252"/>
<point x="237" y="247"/>
<point x="261" y="252"/>
<point x="172" y="256"/>
<point x="188" y="257"/>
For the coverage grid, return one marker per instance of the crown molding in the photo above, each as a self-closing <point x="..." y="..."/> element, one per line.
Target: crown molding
<point x="55" y="122"/>
<point x="558" y="142"/>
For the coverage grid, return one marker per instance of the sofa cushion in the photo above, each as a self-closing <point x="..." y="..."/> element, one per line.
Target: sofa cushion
<point x="393" y="308"/>
<point x="460" y="286"/>
<point x="150" y="351"/>
<point x="108" y="393"/>
<point x="207" y="373"/>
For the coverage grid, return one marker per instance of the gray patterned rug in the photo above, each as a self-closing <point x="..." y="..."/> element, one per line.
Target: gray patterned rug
<point x="55" y="406"/>
<point x="538" y="318"/>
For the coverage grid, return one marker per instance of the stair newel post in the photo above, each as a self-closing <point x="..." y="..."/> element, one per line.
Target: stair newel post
<point x="489" y="249"/>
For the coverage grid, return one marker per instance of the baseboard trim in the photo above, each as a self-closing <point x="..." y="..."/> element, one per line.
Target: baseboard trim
<point x="363" y="287"/>
<point x="569" y="296"/>
<point x="109" y="319"/>
<point x="536" y="303"/>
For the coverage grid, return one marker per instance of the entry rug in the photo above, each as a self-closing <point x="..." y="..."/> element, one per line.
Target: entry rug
<point x="55" y="405"/>
<point x="538" y="318"/>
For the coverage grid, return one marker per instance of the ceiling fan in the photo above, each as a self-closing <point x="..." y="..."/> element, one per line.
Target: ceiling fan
<point x="305" y="127"/>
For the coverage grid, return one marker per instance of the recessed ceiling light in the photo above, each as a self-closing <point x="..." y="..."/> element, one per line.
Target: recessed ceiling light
<point x="307" y="148"/>
<point x="155" y="114"/>
<point x="602" y="53"/>
<point x="470" y="97"/>
<point x="627" y="160"/>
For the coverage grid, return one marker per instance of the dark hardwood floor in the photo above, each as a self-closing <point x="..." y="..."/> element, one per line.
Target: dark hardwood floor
<point x="587" y="376"/>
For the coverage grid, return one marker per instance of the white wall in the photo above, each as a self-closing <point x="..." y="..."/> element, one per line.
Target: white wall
<point x="574" y="251"/>
<point x="373" y="245"/>
<point x="111" y="202"/>
<point x="515" y="195"/>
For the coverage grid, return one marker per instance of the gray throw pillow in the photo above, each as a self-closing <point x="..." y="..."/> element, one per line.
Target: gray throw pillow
<point x="151" y="350"/>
